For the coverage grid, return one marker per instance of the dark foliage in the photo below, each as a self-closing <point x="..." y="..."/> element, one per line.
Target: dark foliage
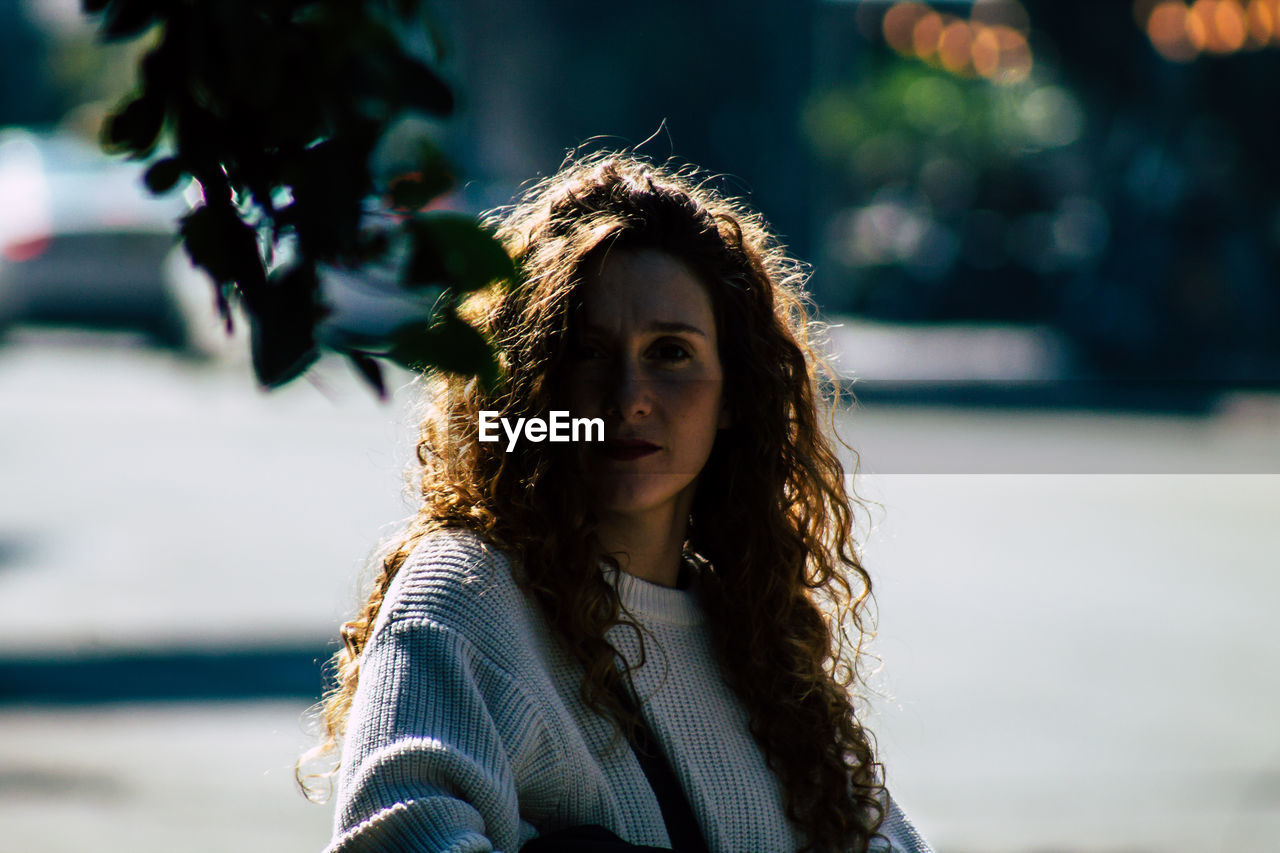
<point x="275" y="108"/>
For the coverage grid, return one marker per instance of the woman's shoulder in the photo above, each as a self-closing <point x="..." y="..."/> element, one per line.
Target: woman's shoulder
<point x="455" y="578"/>
<point x="458" y="550"/>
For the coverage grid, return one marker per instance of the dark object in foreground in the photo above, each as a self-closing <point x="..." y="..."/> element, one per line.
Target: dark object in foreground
<point x="279" y="113"/>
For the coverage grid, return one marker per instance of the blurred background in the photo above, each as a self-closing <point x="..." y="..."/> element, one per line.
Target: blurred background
<point x="1046" y="235"/>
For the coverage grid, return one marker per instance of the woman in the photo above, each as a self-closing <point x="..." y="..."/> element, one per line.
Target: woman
<point x="566" y="622"/>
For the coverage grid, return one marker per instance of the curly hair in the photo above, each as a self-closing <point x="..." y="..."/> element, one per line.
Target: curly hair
<point x="782" y="585"/>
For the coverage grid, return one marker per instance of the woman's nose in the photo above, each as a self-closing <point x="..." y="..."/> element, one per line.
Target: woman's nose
<point x="628" y="394"/>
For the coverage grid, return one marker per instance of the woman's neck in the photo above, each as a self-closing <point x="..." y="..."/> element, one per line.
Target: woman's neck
<point x="648" y="547"/>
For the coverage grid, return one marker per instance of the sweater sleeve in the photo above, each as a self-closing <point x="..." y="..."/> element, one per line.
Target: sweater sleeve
<point x="435" y="739"/>
<point x="900" y="833"/>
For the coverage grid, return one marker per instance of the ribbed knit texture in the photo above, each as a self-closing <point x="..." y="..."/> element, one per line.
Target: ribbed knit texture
<point x="467" y="730"/>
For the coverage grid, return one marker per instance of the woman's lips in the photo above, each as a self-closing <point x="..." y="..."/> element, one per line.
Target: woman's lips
<point x="626" y="449"/>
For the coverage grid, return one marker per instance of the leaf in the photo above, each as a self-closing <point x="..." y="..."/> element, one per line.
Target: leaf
<point x="282" y="326"/>
<point x="226" y="248"/>
<point x="127" y="18"/>
<point x="369" y="370"/>
<point x="435" y="35"/>
<point x="220" y="293"/>
<point x="434" y="173"/>
<point x="413" y="191"/>
<point x="134" y="127"/>
<point x="452" y="249"/>
<point x="329" y="181"/>
<point x="277" y="358"/>
<point x="422" y="88"/>
<point x="449" y="344"/>
<point x="372" y="245"/>
<point x="202" y="144"/>
<point x="405" y="8"/>
<point x="160" y="68"/>
<point x="163" y="175"/>
<point x="409" y="167"/>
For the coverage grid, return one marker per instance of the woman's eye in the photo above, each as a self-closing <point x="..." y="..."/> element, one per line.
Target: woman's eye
<point x="587" y="352"/>
<point x="671" y="351"/>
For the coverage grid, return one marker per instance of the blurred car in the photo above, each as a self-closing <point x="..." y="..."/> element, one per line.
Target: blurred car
<point x="84" y="244"/>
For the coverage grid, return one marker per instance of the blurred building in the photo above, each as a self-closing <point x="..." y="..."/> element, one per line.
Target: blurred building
<point x="722" y="88"/>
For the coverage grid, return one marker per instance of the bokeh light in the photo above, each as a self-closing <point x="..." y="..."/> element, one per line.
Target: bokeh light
<point x="991" y="44"/>
<point x="934" y="105"/>
<point x="1260" y="23"/>
<point x="899" y="26"/>
<point x="1181" y="32"/>
<point x="1229" y="24"/>
<point x="1216" y="26"/>
<point x="1015" y="56"/>
<point x="926" y="34"/>
<point x="986" y="52"/>
<point x="1052" y="116"/>
<point x="955" y="47"/>
<point x="1168" y="30"/>
<point x="1106" y="188"/>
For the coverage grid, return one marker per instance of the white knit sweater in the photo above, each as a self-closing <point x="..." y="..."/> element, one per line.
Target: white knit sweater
<point x="467" y="732"/>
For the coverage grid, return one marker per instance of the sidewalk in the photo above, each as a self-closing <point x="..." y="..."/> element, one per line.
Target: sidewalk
<point x="1076" y="632"/>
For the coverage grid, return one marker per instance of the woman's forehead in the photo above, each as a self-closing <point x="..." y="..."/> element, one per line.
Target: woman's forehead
<point x="646" y="288"/>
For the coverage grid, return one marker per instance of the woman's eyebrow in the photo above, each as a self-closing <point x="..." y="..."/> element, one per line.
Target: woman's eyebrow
<point x="660" y="326"/>
<point x="669" y="327"/>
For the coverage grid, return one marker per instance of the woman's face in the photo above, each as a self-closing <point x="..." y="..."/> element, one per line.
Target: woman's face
<point x="645" y="359"/>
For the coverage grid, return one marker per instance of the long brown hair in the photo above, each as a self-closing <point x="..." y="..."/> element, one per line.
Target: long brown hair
<point x="772" y="523"/>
